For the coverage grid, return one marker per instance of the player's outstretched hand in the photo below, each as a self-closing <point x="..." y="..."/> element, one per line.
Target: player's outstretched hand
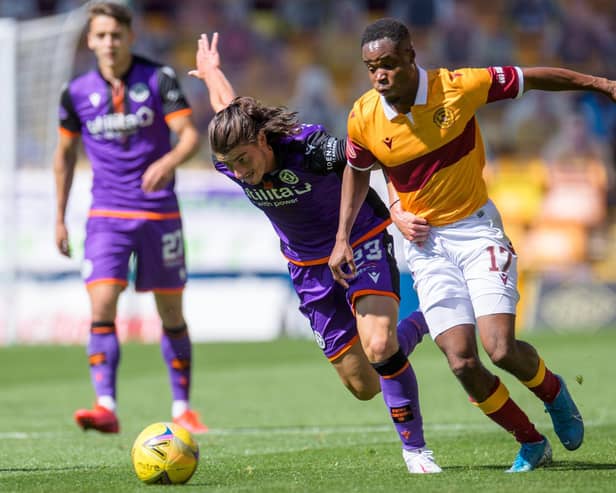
<point x="207" y="57"/>
<point x="414" y="228"/>
<point x="342" y="255"/>
<point x="62" y="239"/>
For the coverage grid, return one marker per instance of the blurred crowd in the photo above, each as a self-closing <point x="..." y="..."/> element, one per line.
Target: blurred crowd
<point x="551" y="155"/>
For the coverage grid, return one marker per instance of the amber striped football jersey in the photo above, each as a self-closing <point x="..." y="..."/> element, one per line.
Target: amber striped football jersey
<point x="434" y="154"/>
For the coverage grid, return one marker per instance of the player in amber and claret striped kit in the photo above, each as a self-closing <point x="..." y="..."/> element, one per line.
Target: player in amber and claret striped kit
<point x="420" y="127"/>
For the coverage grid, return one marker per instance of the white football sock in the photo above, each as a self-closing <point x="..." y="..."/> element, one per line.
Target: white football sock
<point x="107" y="402"/>
<point x="178" y="408"/>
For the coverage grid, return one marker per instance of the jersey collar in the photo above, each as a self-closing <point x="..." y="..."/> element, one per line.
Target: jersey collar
<point x="420" y="98"/>
<point x="133" y="61"/>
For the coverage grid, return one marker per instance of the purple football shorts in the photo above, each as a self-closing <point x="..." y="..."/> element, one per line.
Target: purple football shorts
<point x="158" y="246"/>
<point x="328" y="305"/>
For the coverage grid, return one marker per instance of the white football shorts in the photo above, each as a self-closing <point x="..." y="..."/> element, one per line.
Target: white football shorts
<point x="464" y="270"/>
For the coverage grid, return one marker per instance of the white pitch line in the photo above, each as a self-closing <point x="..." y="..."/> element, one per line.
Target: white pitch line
<point x="313" y="430"/>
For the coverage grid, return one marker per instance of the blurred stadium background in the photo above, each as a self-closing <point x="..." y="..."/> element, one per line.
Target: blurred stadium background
<point x="551" y="156"/>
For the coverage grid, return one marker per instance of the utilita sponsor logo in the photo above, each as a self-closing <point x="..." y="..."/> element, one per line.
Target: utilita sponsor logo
<point x="119" y="124"/>
<point x="273" y="195"/>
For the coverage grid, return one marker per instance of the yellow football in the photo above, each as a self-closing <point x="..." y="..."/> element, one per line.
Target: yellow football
<point x="165" y="453"/>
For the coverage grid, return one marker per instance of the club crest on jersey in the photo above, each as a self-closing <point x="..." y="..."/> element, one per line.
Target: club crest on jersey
<point x="138" y="92"/>
<point x="319" y="339"/>
<point x="95" y="99"/>
<point x="173" y="95"/>
<point x="287" y="176"/>
<point x="444" y="117"/>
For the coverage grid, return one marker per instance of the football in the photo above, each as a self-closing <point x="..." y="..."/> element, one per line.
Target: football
<point x="165" y="453"/>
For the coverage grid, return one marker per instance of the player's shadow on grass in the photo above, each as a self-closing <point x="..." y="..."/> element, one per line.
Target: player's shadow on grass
<point x="578" y="465"/>
<point x="554" y="466"/>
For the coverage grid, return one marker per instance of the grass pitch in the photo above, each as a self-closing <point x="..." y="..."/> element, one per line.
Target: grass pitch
<point x="281" y="422"/>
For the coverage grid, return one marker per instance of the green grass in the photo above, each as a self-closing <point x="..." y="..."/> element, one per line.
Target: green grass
<point x="281" y="422"/>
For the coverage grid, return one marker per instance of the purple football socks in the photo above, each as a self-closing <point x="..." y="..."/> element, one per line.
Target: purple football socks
<point x="104" y="358"/>
<point x="411" y="330"/>
<point x="176" y="349"/>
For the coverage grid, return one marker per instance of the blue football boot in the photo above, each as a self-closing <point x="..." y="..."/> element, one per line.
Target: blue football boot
<point x="531" y="456"/>
<point x="566" y="419"/>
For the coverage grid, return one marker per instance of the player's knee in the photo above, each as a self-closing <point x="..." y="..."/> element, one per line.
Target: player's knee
<point x="462" y="366"/>
<point x="378" y="348"/>
<point x="171" y="318"/>
<point x="502" y="354"/>
<point x="104" y="310"/>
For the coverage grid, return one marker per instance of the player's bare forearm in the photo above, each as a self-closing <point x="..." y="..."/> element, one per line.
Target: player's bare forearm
<point x="161" y="172"/>
<point x="355" y="185"/>
<point x="413" y="228"/>
<point x="65" y="159"/>
<point x="187" y="144"/>
<point x="220" y="90"/>
<point x="562" y="79"/>
<point x="210" y="72"/>
<point x="392" y="194"/>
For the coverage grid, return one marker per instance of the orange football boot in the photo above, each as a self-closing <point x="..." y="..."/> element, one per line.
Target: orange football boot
<point x="100" y="419"/>
<point x="190" y="420"/>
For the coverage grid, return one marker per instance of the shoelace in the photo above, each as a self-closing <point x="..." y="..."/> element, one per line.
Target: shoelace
<point x="427" y="454"/>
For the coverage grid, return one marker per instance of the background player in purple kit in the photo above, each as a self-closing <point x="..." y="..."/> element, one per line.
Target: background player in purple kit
<point x="292" y="172"/>
<point x="125" y="112"/>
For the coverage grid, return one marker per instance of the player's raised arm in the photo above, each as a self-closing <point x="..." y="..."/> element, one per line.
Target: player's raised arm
<point x="562" y="79"/>
<point x="208" y="70"/>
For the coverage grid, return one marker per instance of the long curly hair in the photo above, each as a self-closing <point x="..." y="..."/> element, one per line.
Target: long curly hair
<point x="241" y="121"/>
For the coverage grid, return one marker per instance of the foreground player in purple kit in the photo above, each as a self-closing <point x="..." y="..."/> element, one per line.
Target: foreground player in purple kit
<point x="125" y="112"/>
<point x="292" y="172"/>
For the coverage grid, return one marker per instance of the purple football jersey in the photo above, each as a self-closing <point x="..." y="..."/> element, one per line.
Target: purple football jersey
<point x="301" y="198"/>
<point x="122" y="144"/>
